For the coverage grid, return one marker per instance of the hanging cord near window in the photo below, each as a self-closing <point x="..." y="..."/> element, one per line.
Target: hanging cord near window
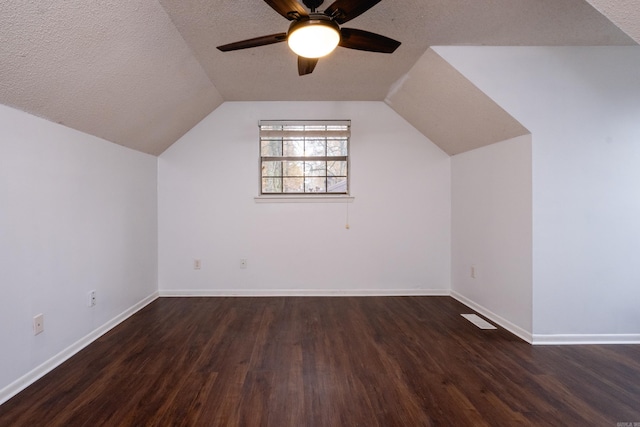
<point x="346" y="224"/>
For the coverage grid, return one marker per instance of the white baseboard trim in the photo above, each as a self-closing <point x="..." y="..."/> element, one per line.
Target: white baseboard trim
<point x="585" y="339"/>
<point x="300" y="292"/>
<point x="35" y="374"/>
<point x="511" y="327"/>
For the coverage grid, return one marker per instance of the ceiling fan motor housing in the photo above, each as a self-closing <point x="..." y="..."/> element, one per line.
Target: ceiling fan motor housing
<point x="312" y="4"/>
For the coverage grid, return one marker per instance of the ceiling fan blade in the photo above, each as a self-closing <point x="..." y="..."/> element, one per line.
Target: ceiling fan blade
<point x="255" y="42"/>
<point x="287" y="8"/>
<point x="306" y="65"/>
<point x="346" y="10"/>
<point x="364" y="40"/>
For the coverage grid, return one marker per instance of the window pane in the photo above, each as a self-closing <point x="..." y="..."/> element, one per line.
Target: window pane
<point x="293" y="168"/>
<point x="271" y="148"/>
<point x="337" y="184"/>
<point x="271" y="168"/>
<point x="337" y="168"/>
<point x="272" y="185"/>
<point x="337" y="147"/>
<point x="293" y="147"/>
<point x="293" y="185"/>
<point x="315" y="168"/>
<point x="315" y="185"/>
<point x="315" y="147"/>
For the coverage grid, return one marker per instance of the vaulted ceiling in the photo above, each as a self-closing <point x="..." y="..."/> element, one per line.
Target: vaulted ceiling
<point x="141" y="73"/>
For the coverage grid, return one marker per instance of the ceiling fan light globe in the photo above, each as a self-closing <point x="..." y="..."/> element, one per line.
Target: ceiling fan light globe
<point x="313" y="38"/>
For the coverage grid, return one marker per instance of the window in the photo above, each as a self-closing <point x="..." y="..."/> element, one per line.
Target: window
<point x="304" y="157"/>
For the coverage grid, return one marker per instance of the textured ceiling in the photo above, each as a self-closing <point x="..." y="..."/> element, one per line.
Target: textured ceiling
<point x="141" y="73"/>
<point x="115" y="69"/>
<point x="624" y="13"/>
<point x="270" y="72"/>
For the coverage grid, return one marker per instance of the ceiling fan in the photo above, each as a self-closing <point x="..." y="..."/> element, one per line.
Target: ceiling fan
<point x="316" y="34"/>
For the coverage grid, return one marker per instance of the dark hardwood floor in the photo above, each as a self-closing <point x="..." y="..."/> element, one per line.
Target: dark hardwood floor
<point x="373" y="361"/>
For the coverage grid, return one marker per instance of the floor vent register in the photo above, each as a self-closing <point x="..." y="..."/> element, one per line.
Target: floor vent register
<point x="478" y="321"/>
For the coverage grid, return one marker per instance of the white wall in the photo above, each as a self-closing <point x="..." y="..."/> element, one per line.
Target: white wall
<point x="76" y="213"/>
<point x="492" y="232"/>
<point x="582" y="106"/>
<point x="399" y="240"/>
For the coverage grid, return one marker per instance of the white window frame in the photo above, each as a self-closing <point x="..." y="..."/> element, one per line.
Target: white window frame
<point x="304" y="128"/>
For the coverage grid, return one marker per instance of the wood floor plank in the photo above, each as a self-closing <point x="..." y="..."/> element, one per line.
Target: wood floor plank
<point x="327" y="361"/>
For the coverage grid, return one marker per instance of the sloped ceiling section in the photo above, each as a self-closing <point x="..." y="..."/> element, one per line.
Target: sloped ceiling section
<point x="448" y="109"/>
<point x="118" y="70"/>
<point x="625" y="14"/>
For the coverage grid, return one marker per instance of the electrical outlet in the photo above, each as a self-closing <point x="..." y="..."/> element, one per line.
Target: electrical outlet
<point x="197" y="264"/>
<point x="38" y="324"/>
<point x="243" y="263"/>
<point x="473" y="271"/>
<point x="91" y="302"/>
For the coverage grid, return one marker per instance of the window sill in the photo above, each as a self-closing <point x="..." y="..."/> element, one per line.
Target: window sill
<point x="304" y="199"/>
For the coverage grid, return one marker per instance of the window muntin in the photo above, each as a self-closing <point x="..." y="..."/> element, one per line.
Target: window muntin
<point x="306" y="157"/>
